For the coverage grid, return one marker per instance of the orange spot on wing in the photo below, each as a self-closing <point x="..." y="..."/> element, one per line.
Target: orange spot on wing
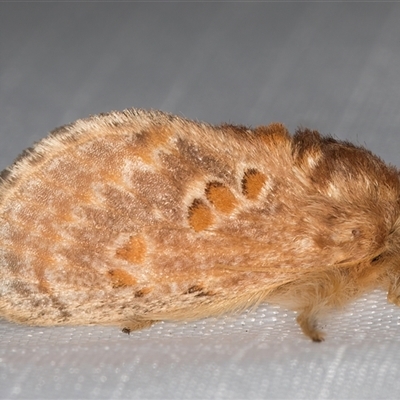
<point x="121" y="278"/>
<point x="252" y="183"/>
<point x="133" y="251"/>
<point x="221" y="197"/>
<point x="200" y="216"/>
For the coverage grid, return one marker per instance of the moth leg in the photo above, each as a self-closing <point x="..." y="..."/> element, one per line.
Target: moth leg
<point x="394" y="295"/>
<point x="136" y="325"/>
<point x="308" y="323"/>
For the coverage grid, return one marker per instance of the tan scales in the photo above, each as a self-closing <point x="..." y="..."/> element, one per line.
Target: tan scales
<point x="137" y="216"/>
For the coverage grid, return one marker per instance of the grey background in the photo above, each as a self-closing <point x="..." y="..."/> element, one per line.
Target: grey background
<point x="329" y="66"/>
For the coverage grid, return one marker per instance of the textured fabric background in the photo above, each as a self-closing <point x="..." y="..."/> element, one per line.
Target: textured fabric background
<point x="329" y="66"/>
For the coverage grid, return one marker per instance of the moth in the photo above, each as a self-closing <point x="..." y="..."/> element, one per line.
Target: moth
<point x="133" y="217"/>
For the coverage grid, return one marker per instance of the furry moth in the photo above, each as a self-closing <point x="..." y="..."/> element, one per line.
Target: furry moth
<point x="137" y="216"/>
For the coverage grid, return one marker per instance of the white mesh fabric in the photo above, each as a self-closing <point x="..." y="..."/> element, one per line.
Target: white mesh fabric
<point x="259" y="354"/>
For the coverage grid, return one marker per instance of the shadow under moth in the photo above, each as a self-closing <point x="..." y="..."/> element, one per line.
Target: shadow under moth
<point x="133" y="217"/>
